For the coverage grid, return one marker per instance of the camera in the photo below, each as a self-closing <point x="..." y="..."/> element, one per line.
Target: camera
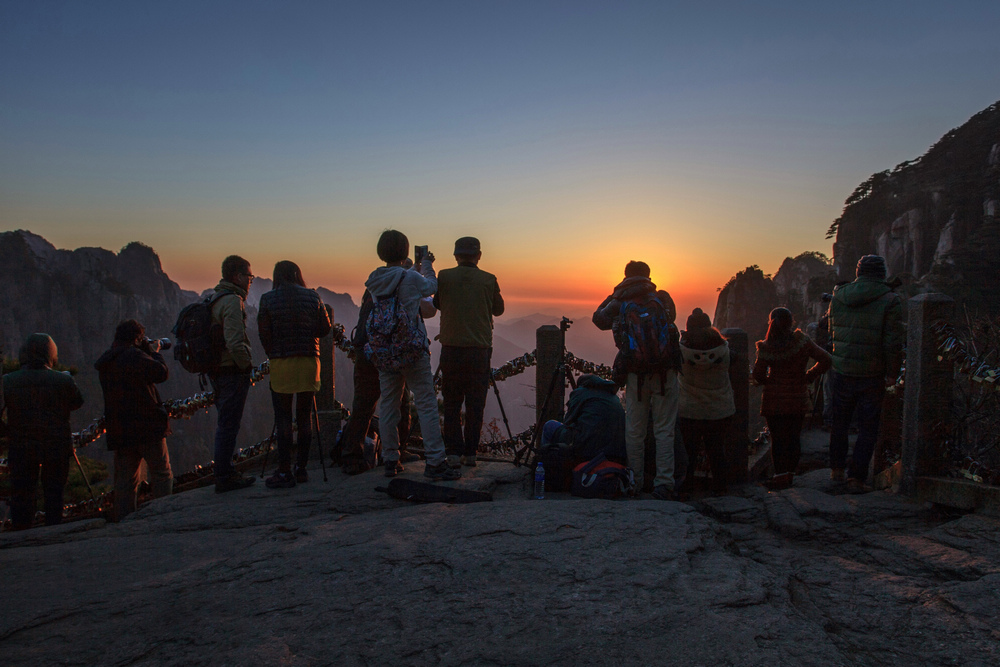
<point x="419" y="252"/>
<point x="157" y="344"/>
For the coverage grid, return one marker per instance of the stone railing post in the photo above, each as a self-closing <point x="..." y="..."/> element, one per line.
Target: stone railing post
<point x="329" y="415"/>
<point x="549" y="342"/>
<point x="928" y="387"/>
<point x="739" y="375"/>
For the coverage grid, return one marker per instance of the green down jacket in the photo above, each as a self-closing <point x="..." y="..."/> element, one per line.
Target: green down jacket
<point x="866" y="322"/>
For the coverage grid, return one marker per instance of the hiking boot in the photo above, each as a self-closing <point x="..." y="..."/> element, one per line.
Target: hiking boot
<point x="855" y="486"/>
<point x="280" y="480"/>
<point x="407" y="456"/>
<point x="442" y="471"/>
<point x="780" y="481"/>
<point x="393" y="468"/>
<point x="663" y="492"/>
<point x="233" y="482"/>
<point x="837" y="474"/>
<point x="454" y="461"/>
<point x="301" y="476"/>
<point x="469" y="460"/>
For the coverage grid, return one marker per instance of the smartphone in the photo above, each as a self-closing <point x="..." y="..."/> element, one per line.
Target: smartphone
<point x="419" y="252"/>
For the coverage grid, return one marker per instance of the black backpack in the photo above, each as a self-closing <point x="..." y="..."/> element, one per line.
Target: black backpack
<point x="199" y="340"/>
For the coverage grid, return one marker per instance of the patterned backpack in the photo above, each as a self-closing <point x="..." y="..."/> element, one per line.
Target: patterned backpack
<point x="394" y="338"/>
<point x="646" y="337"/>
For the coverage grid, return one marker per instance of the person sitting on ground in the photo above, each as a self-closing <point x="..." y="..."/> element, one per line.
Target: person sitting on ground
<point x="706" y="403"/>
<point x="290" y="321"/>
<point x="780" y="368"/>
<point x="594" y="425"/>
<point x="408" y="288"/>
<point x="39" y="401"/>
<point x="137" y="423"/>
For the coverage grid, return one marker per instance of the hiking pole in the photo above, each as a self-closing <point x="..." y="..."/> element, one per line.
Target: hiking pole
<point x="274" y="434"/>
<point x="503" y="413"/>
<point x="84" y="475"/>
<point x="319" y="439"/>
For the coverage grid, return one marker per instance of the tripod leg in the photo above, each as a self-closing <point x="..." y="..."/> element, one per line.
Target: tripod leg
<point x="503" y="413"/>
<point x="270" y="441"/>
<point x="319" y="439"/>
<point x="84" y="474"/>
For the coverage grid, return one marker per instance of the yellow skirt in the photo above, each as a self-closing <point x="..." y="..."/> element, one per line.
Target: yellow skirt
<point x="292" y="375"/>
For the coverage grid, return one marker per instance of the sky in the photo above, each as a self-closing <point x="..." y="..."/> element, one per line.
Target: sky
<point x="569" y="137"/>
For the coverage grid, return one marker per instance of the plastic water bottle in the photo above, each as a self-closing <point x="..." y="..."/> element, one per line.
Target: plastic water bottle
<point x="539" y="482"/>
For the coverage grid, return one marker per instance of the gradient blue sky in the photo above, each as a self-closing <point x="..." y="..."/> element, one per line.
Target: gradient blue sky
<point x="569" y="136"/>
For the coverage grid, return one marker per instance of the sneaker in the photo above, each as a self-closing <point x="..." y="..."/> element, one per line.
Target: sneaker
<point x="442" y="471"/>
<point x="280" y="480"/>
<point x="408" y="457"/>
<point x="393" y="468"/>
<point x="454" y="461"/>
<point x="856" y="486"/>
<point x="469" y="460"/>
<point x="663" y="492"/>
<point x="235" y="481"/>
<point x="837" y="474"/>
<point x="301" y="476"/>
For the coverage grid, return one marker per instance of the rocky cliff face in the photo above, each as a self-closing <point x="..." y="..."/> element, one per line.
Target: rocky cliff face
<point x="798" y="285"/>
<point x="934" y="219"/>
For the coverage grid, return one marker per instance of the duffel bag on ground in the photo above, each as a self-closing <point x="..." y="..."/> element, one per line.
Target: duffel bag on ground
<point x="601" y="478"/>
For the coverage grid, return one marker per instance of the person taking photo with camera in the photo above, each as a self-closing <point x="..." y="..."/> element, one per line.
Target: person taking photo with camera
<point x="137" y="423"/>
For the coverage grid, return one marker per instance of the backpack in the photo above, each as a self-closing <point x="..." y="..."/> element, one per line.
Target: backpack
<point x="647" y="339"/>
<point x="601" y="478"/>
<point x="199" y="340"/>
<point x="394" y="339"/>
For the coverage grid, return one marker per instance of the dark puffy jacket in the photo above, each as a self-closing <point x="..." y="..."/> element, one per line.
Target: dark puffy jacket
<point x="866" y="323"/>
<point x="39" y="402"/>
<point x="290" y="322"/>
<point x="133" y="415"/>
<point x="595" y="421"/>
<point x="782" y="372"/>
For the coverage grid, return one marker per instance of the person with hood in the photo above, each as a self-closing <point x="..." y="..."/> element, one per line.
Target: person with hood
<point x="290" y="321"/>
<point x="39" y="401"/>
<point x="650" y="386"/>
<point x="594" y="424"/>
<point x="866" y="324"/>
<point x="231" y="380"/>
<point x="409" y="287"/>
<point x="706" y="397"/>
<point x="137" y="424"/>
<point x="780" y="368"/>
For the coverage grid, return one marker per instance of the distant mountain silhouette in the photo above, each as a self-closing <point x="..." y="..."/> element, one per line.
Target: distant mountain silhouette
<point x="935" y="219"/>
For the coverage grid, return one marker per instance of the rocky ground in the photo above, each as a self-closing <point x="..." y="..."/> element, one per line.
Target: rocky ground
<point x="338" y="573"/>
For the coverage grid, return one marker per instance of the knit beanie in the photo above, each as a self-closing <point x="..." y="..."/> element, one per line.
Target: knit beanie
<point x="871" y="266"/>
<point x="698" y="320"/>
